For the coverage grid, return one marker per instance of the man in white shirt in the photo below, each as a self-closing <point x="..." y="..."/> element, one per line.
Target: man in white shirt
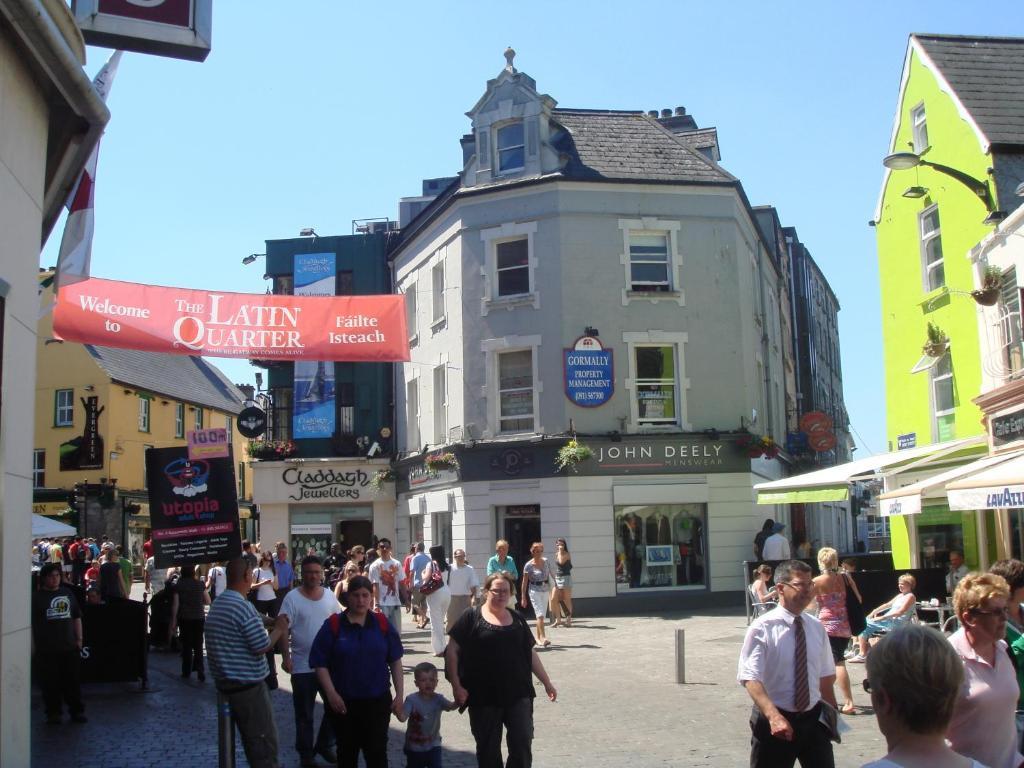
<point x="385" y="574"/>
<point x="957" y="570"/>
<point x="303" y="612"/>
<point x="156" y="578"/>
<point x="776" y="546"/>
<point x="463" y="584"/>
<point x="787" y="668"/>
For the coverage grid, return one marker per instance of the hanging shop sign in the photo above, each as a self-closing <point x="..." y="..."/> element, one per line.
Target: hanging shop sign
<point x="320" y="484"/>
<point x="180" y="29"/>
<point x="193" y="508"/>
<point x="909" y="440"/>
<point x="901" y="505"/>
<point x="313" y="412"/>
<point x="1008" y="428"/>
<point x="182" y="321"/>
<point x="86" y="450"/>
<point x="252" y="422"/>
<point x="589" y="373"/>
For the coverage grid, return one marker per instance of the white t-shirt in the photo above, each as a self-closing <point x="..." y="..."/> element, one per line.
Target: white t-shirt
<point x="776" y="547"/>
<point x="385" y="575"/>
<point x="220" y="580"/>
<point x="157" y="576"/>
<point x="887" y="763"/>
<point x="305" y="618"/>
<point x="462" y="580"/>
<point x="266" y="592"/>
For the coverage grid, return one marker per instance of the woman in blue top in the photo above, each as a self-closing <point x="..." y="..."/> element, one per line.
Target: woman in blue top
<point x="353" y="656"/>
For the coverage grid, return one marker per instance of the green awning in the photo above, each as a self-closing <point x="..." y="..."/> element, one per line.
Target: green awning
<point x="805" y="496"/>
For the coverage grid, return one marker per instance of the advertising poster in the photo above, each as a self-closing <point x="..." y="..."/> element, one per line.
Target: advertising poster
<point x="183" y="321"/>
<point x="86" y="450"/>
<point x="314" y="412"/>
<point x="193" y="508"/>
<point x="589" y="373"/>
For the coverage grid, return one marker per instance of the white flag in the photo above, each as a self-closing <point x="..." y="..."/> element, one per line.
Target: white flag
<point x="76" y="244"/>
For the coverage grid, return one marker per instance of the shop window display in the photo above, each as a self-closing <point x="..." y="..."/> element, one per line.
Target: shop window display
<point x="660" y="545"/>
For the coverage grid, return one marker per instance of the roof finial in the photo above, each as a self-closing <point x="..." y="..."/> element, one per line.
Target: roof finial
<point x="509" y="57"/>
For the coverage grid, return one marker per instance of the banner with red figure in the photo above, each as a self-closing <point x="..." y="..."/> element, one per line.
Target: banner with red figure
<point x="185" y="321"/>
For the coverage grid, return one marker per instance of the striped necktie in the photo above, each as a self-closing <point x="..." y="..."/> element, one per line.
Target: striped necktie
<point x="801" y="693"/>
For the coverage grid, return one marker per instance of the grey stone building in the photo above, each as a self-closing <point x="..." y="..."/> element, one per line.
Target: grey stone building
<point x="592" y="273"/>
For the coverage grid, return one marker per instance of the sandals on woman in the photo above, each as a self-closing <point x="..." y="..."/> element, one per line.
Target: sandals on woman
<point x="849" y="709"/>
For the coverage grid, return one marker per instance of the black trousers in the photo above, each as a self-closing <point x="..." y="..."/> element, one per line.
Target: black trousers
<point x="810" y="744"/>
<point x="363" y="728"/>
<point x="486" y="723"/>
<point x="190" y="635"/>
<point x="60" y="677"/>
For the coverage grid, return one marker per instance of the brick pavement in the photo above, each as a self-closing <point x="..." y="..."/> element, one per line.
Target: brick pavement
<point x="618" y="705"/>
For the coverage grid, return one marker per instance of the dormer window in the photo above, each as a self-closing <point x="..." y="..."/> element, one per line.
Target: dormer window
<point x="510" y="147"/>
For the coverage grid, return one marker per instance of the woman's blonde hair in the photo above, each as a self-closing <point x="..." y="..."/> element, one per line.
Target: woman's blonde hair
<point x="828" y="559"/>
<point x="976" y="589"/>
<point x="907" y="578"/>
<point x="920" y="673"/>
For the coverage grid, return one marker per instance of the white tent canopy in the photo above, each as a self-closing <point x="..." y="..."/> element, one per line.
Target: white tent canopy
<point x="908" y="500"/>
<point x="833" y="483"/>
<point x="998" y="487"/>
<point x="46" y="527"/>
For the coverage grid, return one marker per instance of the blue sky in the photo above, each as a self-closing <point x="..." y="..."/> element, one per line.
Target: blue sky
<point x="314" y="113"/>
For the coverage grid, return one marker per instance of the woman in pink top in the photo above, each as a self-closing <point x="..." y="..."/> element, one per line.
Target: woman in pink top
<point x="830" y="593"/>
<point x="983" y="725"/>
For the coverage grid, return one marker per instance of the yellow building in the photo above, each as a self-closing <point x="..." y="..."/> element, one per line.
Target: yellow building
<point x="97" y="411"/>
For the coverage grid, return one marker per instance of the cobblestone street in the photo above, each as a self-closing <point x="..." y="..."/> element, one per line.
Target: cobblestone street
<point x="618" y="704"/>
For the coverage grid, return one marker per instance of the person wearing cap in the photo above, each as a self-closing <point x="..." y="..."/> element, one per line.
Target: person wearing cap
<point x="776" y="546"/>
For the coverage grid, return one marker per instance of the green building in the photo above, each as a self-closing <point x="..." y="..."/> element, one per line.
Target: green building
<point x="954" y="160"/>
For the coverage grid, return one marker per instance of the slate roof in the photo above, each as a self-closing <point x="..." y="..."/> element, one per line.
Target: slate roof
<point x="177" y="377"/>
<point x="619" y="145"/>
<point x="987" y="74"/>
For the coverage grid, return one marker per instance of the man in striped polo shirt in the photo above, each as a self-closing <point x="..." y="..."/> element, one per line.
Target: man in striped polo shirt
<point x="236" y="642"/>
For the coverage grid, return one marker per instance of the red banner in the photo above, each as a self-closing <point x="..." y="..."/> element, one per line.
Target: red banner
<point x="182" y="321"/>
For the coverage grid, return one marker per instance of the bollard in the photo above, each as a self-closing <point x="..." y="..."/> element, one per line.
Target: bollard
<point x="680" y="655"/>
<point x="225" y="733"/>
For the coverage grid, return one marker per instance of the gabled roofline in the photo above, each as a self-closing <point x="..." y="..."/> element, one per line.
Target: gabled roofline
<point x="914" y="45"/>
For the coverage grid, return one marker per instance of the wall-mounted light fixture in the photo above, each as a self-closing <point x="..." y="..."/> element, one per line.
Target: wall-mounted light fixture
<point x="915" y="192"/>
<point x="90" y="388"/>
<point x="308" y="232"/>
<point x="902" y="161"/>
<point x="251" y="258"/>
<point x="591" y="331"/>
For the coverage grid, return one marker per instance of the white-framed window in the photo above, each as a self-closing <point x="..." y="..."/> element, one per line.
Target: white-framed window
<point x="410" y="311"/>
<point x="230" y="426"/>
<point x="39" y="468"/>
<point x="199" y="417"/>
<point x="510" y="147"/>
<point x="943" y="398"/>
<point x="64" y="408"/>
<point x="649" y="262"/>
<point x="412" y="414"/>
<point x="516" y="401"/>
<point x="144" y="414"/>
<point x="179" y="419"/>
<point x="919" y="127"/>
<point x="933" y="271"/>
<point x="440" y="404"/>
<point x="656" y="390"/>
<point x="437" y="294"/>
<point x="1010" y="325"/>
<point x="512" y="267"/>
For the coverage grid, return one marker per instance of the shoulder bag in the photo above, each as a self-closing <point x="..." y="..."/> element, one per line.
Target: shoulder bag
<point x="434" y="583"/>
<point x="854" y="609"/>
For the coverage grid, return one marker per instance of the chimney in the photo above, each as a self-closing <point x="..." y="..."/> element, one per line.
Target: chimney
<point x="680" y="111"/>
<point x="666" y="113"/>
<point x="653" y="113"/>
<point x="246" y="390"/>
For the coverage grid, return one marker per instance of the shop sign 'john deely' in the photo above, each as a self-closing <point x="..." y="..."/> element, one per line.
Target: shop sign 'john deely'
<point x="197" y="322"/>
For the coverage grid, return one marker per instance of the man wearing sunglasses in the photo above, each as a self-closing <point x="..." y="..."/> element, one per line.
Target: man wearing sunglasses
<point x="786" y="666"/>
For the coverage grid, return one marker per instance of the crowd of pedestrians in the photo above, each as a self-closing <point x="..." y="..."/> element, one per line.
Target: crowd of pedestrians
<point x="955" y="700"/>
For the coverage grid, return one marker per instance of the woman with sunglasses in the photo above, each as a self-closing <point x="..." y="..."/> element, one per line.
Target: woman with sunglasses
<point x="983" y="724"/>
<point x="914" y="678"/>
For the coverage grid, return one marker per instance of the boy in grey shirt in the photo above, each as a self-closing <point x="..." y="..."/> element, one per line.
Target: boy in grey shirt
<point x="423" y="711"/>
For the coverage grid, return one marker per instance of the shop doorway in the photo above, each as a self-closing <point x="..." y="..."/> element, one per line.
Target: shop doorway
<point x="349" y="533"/>
<point x="520" y="528"/>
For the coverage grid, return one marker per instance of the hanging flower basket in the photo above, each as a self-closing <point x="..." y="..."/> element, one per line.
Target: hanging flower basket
<point x="987" y="297"/>
<point x="991" y="280"/>
<point x="757" y="446"/>
<point x="937" y="341"/>
<point x="571" y="454"/>
<point x="382" y="476"/>
<point x="436" y="462"/>
<point x="271" y="450"/>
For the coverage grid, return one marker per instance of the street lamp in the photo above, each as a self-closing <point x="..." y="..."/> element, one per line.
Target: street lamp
<point x="251" y="258"/>
<point x="902" y="161"/>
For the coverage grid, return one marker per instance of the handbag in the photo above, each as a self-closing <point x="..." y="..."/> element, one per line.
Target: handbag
<point x="854" y="609"/>
<point x="434" y="583"/>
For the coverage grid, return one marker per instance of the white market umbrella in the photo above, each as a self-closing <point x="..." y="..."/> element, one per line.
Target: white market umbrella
<point x="46" y="527"/>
